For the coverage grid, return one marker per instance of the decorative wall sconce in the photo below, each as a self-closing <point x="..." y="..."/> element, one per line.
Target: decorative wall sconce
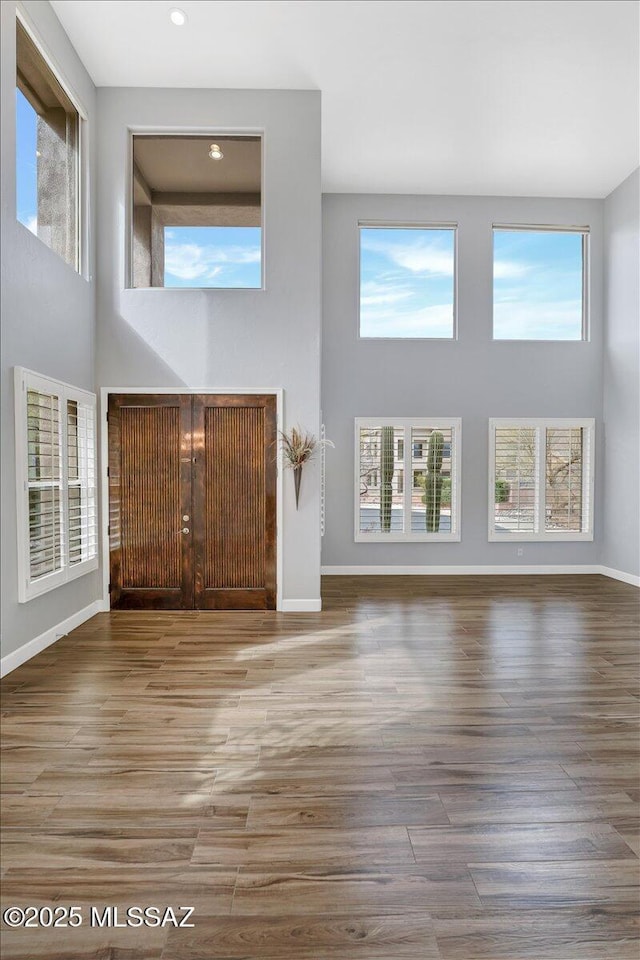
<point x="298" y="448"/>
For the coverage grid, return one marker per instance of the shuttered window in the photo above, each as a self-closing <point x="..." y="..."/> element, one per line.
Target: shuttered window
<point x="44" y="484"/>
<point x="407" y="480"/>
<point x="541" y="482"/>
<point x="81" y="480"/>
<point x="56" y="477"/>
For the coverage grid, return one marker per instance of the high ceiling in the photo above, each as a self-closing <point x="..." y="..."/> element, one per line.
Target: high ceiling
<point x="510" y="97"/>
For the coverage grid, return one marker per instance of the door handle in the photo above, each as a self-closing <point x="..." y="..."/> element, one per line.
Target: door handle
<point x="184" y="530"/>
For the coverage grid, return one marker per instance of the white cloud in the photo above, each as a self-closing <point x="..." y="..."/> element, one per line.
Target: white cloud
<point x="420" y="256"/>
<point x="190" y="261"/>
<point x="377" y="294"/>
<point x="381" y="298"/>
<point x="509" y="269"/>
<point x="424" y="260"/>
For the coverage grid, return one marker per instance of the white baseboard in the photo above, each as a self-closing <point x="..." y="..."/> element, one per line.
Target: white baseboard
<point x="455" y="570"/>
<point x="38" y="644"/>
<point x="302" y="606"/>
<point x="620" y="575"/>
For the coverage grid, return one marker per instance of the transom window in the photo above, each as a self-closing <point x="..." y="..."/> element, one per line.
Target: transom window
<point x="540" y="282"/>
<point x="47" y="153"/>
<point x="407" y="280"/>
<point x="56" y="475"/>
<point x="426" y="506"/>
<point x="541" y="479"/>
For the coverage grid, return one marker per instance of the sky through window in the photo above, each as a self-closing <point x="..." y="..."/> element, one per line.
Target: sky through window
<point x="212" y="257"/>
<point x="26" y="163"/>
<point x="407" y="282"/>
<point x="537" y="285"/>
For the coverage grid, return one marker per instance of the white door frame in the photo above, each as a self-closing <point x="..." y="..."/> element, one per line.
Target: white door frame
<point x="276" y="392"/>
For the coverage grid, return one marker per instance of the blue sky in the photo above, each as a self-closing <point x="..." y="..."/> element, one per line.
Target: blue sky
<point x="26" y="165"/>
<point x="212" y="257"/>
<point x="537" y="287"/>
<point x="406" y="282"/>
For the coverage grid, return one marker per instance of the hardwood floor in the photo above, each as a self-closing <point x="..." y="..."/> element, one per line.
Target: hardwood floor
<point x="430" y="768"/>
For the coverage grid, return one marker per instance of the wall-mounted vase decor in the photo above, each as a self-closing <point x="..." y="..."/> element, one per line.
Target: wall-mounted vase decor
<point x="298" y="447"/>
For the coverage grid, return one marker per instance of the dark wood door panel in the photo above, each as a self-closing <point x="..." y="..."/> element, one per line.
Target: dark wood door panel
<point x="151" y="548"/>
<point x="234" y="497"/>
<point x="150" y="492"/>
<point x="235" y="502"/>
<point x="211" y="459"/>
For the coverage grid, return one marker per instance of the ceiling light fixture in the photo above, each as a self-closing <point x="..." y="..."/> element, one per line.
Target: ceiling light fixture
<point x="215" y="152"/>
<point x="178" y="17"/>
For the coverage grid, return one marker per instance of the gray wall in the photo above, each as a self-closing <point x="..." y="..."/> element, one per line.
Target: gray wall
<point x="48" y="319"/>
<point x="218" y="339"/>
<point x="473" y="377"/>
<point x="621" y="535"/>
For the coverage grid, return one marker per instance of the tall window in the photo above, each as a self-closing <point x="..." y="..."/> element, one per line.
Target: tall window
<point x="407" y="281"/>
<point x="47" y="145"/>
<point x="197" y="211"/>
<point x="541" y="479"/>
<point x="427" y="453"/>
<point x="56" y="475"/>
<point x="540" y="283"/>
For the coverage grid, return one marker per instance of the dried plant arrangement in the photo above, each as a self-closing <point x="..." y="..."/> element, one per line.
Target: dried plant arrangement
<point x="298" y="447"/>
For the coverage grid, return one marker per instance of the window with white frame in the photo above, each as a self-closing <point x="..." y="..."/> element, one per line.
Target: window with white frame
<point x="407" y="280"/>
<point x="426" y="506"/>
<point x="540" y="282"/>
<point x="56" y="483"/>
<point x="541" y="479"/>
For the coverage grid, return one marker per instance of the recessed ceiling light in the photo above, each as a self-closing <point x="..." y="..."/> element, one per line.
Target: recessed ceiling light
<point x="178" y="17"/>
<point x="215" y="152"/>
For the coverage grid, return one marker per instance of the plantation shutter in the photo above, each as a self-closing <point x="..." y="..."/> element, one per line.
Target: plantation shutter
<point x="564" y="485"/>
<point x="542" y="480"/>
<point x="44" y="484"/>
<point x="56" y="480"/>
<point x="407" y="479"/>
<point x="81" y="481"/>
<point x="516" y="473"/>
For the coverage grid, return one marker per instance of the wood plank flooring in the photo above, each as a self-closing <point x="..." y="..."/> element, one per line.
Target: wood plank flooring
<point x="430" y="768"/>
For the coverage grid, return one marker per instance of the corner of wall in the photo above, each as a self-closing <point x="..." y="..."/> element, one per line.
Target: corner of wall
<point x="620" y="541"/>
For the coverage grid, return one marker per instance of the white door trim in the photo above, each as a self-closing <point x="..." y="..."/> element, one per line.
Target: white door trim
<point x="277" y="392"/>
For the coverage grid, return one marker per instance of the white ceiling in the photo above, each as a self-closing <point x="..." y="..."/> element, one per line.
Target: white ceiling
<point x="510" y="97"/>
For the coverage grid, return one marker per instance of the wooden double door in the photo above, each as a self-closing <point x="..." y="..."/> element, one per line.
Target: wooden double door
<point x="192" y="501"/>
